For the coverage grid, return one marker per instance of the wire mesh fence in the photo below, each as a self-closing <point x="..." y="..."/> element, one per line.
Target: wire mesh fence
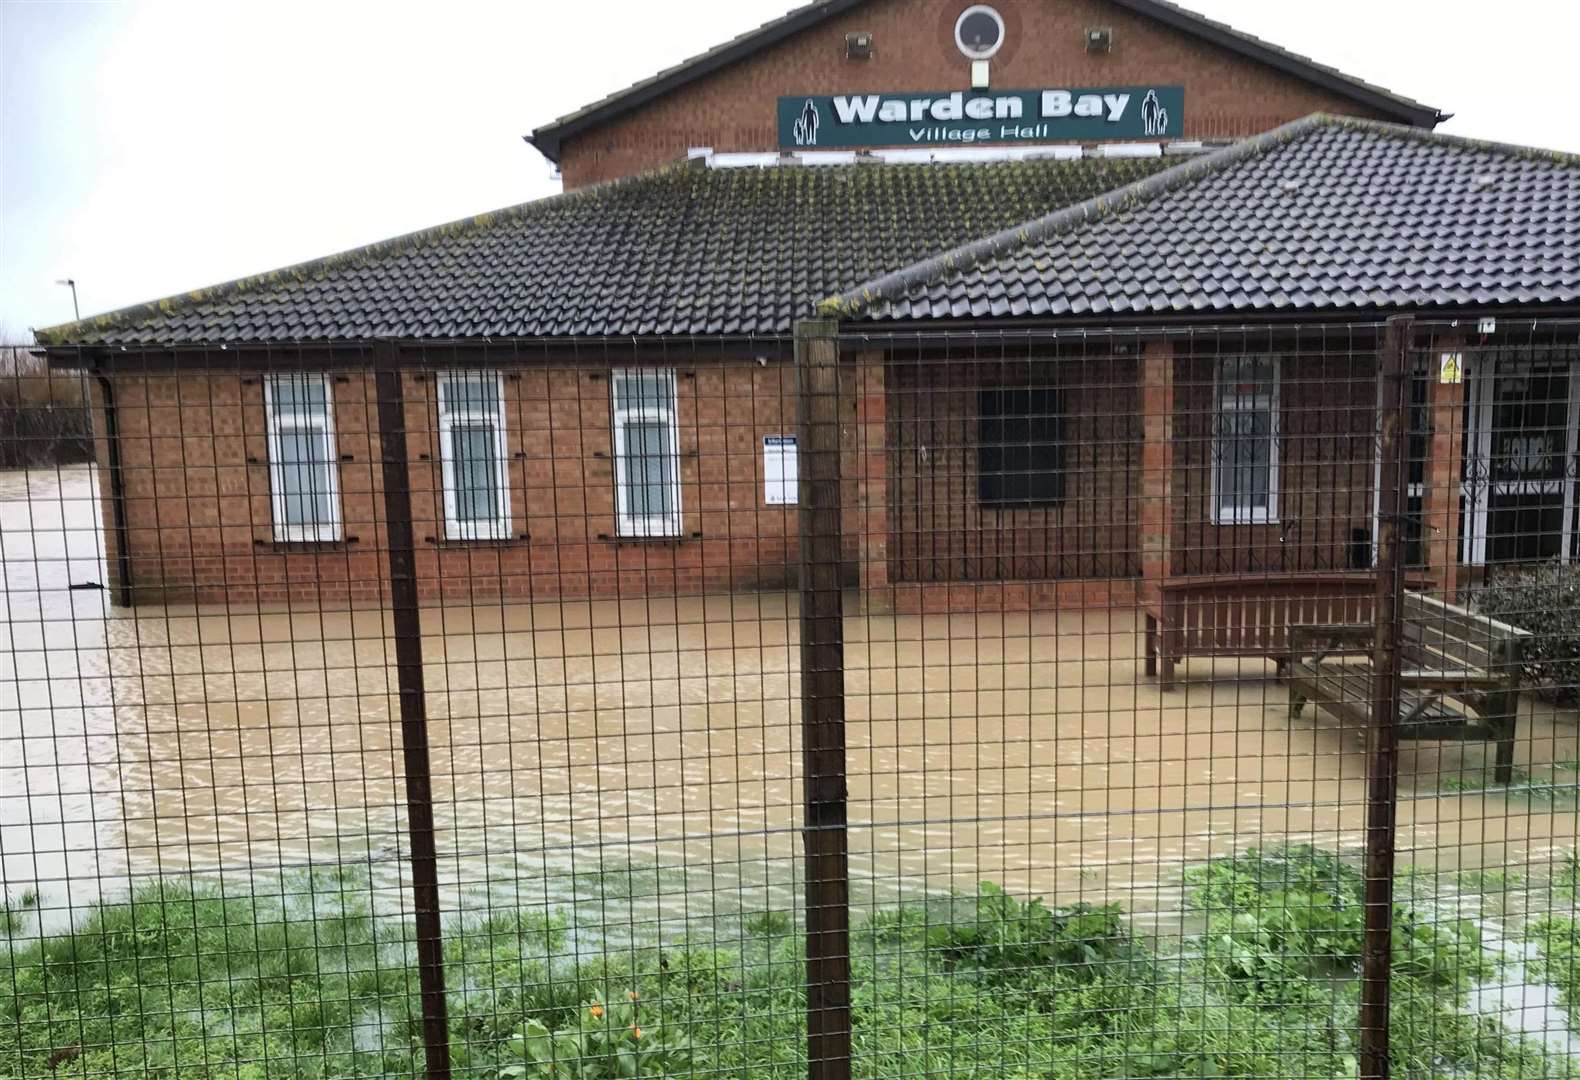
<point x="1177" y="701"/>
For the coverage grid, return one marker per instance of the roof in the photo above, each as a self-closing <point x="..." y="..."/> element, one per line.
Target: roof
<point x="1326" y="214"/>
<point x="680" y="251"/>
<point x="551" y="137"/>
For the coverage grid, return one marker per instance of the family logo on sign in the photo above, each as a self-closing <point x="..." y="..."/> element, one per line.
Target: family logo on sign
<point x="806" y="127"/>
<point x="1154" y="117"/>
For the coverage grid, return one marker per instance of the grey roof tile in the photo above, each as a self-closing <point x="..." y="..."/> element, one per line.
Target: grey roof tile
<point x="1324" y="214"/>
<point x="681" y="251"/>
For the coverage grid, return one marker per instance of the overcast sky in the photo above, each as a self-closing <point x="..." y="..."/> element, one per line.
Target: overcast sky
<point x="152" y="146"/>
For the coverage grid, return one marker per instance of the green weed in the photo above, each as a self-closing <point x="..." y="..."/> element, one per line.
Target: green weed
<point x="1285" y="923"/>
<point x="181" y="983"/>
<point x="1490" y="881"/>
<point x="769" y="924"/>
<point x="1567" y="880"/>
<point x="599" y="1042"/>
<point x="1557" y="941"/>
<point x="13" y="917"/>
<point x="1539" y="789"/>
<point x="1007" y="935"/>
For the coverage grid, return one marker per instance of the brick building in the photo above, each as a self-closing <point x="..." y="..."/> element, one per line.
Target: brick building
<point x="728" y="99"/>
<point x="596" y="392"/>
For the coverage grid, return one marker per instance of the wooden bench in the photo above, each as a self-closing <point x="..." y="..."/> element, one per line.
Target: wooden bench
<point x="1460" y="681"/>
<point x="1224" y="615"/>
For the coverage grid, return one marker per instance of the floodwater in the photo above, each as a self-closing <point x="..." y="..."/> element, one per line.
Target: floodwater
<point x="577" y="745"/>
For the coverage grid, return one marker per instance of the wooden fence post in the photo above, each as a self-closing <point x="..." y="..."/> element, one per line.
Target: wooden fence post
<point x="823" y="705"/>
<point x="1383" y="779"/>
<point x="401" y="550"/>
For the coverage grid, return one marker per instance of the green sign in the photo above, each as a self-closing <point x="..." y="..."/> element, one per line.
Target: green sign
<point x="964" y="117"/>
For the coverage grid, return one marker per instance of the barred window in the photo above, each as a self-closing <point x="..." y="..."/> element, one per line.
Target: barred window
<point x="1245" y="442"/>
<point x="472" y="447"/>
<point x="1020" y="456"/>
<point x="304" y="481"/>
<point x="646" y="452"/>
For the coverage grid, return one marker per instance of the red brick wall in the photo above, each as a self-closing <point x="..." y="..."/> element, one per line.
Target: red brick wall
<point x="197" y="507"/>
<point x="1327" y="469"/>
<point x="199" y="520"/>
<point x="939" y="530"/>
<point x="194" y="462"/>
<point x="1226" y="95"/>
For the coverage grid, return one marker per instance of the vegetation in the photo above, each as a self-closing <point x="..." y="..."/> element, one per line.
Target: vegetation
<point x="1490" y="881"/>
<point x="1557" y="941"/>
<point x="1283" y="923"/>
<point x="1537" y="788"/>
<point x="182" y="983"/>
<point x="1546" y="601"/>
<point x="14" y="916"/>
<point x="44" y="417"/>
<point x="1568" y="878"/>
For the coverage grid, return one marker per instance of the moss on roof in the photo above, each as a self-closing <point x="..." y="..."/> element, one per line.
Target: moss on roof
<point x="683" y="250"/>
<point x="1187" y="214"/>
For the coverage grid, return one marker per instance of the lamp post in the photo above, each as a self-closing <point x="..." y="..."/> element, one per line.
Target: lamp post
<point x="72" y="284"/>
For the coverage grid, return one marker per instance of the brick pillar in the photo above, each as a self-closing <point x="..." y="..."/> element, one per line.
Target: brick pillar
<point x="872" y="480"/>
<point x="1445" y="451"/>
<point x="1157" y="504"/>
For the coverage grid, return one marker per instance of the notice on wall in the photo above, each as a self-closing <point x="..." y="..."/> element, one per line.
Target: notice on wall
<point x="1451" y="369"/>
<point x="780" y="471"/>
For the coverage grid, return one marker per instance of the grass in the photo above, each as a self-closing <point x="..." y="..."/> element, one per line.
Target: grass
<point x="13" y="918"/>
<point x="1567" y="880"/>
<point x="1547" y="790"/>
<point x="182" y="983"/>
<point x="1490" y="881"/>
<point x="1557" y="941"/>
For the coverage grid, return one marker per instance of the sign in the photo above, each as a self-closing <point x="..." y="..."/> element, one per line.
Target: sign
<point x="780" y="471"/>
<point x="1451" y="370"/>
<point x="964" y="117"/>
<point x="1527" y="457"/>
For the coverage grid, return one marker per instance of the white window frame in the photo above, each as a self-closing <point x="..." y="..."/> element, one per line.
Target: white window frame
<point x="498" y="527"/>
<point x="628" y="524"/>
<point x="1481" y="380"/>
<point x="282" y="422"/>
<point x="1269" y="403"/>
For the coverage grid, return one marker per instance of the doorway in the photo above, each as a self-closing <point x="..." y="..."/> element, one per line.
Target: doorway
<point x="1519" y="484"/>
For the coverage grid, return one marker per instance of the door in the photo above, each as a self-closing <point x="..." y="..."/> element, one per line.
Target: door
<point x="1519" y="479"/>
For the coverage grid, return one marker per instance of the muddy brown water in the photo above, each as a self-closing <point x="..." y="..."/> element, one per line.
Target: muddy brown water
<point x="572" y="738"/>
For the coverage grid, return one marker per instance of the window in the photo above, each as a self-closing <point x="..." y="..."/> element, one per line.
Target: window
<point x="1020" y="460"/>
<point x="979" y="32"/>
<point x="304" y="482"/>
<point x="472" y="450"/>
<point x="1245" y="443"/>
<point x="646" y="452"/>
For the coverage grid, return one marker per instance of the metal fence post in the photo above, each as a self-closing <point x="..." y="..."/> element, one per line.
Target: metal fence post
<point x="823" y="704"/>
<point x="413" y="706"/>
<point x="1383" y="771"/>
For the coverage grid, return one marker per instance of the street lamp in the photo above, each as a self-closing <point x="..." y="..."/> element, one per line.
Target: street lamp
<point x="72" y="284"/>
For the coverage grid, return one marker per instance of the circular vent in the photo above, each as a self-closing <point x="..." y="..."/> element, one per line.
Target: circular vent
<point x="979" y="32"/>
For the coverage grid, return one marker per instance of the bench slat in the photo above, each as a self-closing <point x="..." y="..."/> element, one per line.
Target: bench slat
<point x="1434" y="642"/>
<point x="1461" y="622"/>
<point x="1347" y="691"/>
